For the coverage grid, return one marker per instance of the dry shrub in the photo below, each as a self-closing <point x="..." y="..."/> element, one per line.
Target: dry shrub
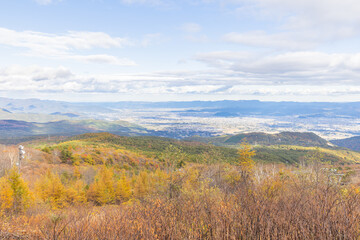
<point x="279" y="204"/>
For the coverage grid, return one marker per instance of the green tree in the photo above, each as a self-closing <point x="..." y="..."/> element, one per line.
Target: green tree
<point x="66" y="155"/>
<point x="173" y="158"/>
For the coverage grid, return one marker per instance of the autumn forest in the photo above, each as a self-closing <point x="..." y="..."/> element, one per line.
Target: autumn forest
<point x="103" y="186"/>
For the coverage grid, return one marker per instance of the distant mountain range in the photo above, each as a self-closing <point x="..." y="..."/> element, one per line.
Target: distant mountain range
<point x="191" y="108"/>
<point x="13" y="128"/>
<point x="352" y="143"/>
<point x="50" y="107"/>
<point x="5" y="114"/>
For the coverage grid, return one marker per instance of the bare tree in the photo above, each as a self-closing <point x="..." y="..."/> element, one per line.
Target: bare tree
<point x="8" y="158"/>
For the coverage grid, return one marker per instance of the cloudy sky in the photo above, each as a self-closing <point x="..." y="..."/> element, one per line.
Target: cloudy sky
<point x="160" y="50"/>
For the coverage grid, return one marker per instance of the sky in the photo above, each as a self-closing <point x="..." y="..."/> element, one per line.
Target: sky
<point x="180" y="50"/>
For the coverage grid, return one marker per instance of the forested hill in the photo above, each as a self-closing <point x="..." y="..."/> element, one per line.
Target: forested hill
<point x="14" y="128"/>
<point x="152" y="146"/>
<point x="101" y="145"/>
<point x="352" y="143"/>
<point x="306" y="139"/>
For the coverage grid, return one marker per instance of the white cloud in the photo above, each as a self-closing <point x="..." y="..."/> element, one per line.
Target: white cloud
<point x="222" y="82"/>
<point x="330" y="11"/>
<point x="193" y="33"/>
<point x="281" y="41"/>
<point x="64" y="45"/>
<point x="59" y="83"/>
<point x="44" y="43"/>
<point x="297" y="25"/>
<point x="191" y="27"/>
<point x="103" y="58"/>
<point x="339" y="11"/>
<point x="307" y="68"/>
<point x="295" y="91"/>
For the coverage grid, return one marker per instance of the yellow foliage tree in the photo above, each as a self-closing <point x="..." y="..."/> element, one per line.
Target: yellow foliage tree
<point x="160" y="180"/>
<point x="6" y="195"/>
<point x="22" y="196"/>
<point x="51" y="190"/>
<point x="142" y="184"/>
<point x="77" y="173"/>
<point x="102" y="191"/>
<point x="76" y="192"/>
<point x="123" y="189"/>
<point x="192" y="181"/>
<point x="246" y="162"/>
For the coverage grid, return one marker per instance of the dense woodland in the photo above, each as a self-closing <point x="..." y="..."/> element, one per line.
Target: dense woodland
<point x="103" y="186"/>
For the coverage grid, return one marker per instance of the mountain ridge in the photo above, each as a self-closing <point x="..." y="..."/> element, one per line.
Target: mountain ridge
<point x="259" y="138"/>
<point x="15" y="128"/>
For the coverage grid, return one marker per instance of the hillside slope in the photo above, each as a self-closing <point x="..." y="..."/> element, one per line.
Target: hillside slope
<point x="155" y="147"/>
<point x="352" y="143"/>
<point x="5" y="114"/>
<point x="14" y="128"/>
<point x="306" y="139"/>
<point x="289" y="154"/>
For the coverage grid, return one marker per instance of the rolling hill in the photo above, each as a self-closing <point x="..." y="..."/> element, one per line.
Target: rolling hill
<point x="100" y="145"/>
<point x="306" y="139"/>
<point x="352" y="143"/>
<point x="154" y="147"/>
<point x="50" y="106"/>
<point x="290" y="154"/>
<point x="19" y="129"/>
<point x="5" y="114"/>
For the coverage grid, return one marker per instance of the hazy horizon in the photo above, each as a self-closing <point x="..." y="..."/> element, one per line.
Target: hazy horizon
<point x="169" y="100"/>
